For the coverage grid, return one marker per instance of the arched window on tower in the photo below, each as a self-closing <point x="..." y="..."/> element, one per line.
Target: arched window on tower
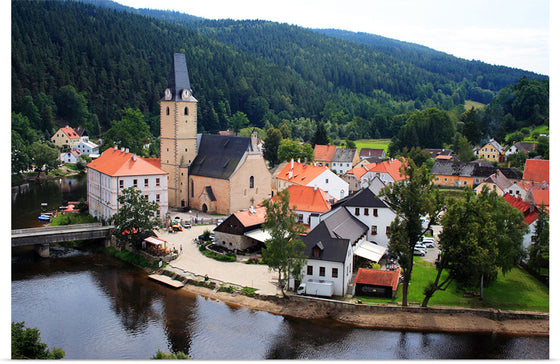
<point x="251" y="182"/>
<point x="186" y="110"/>
<point x="167" y="111"/>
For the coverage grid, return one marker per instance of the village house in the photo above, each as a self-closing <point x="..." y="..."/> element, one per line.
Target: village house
<point x="87" y="148"/>
<point x="372" y="153"/>
<point x="117" y="169"/>
<point x="295" y="173"/>
<point x="461" y="174"/>
<point x="70" y="157"/>
<point x="344" y="159"/>
<point x="306" y="200"/>
<point x="212" y="173"/>
<point x="530" y="213"/>
<point x="387" y="172"/>
<point x="376" y="283"/>
<point x="329" y="249"/>
<point x="365" y="206"/>
<point x="523" y="147"/>
<point x="491" y="151"/>
<point x="65" y="138"/>
<point x="242" y="229"/>
<point x="323" y="155"/>
<point x="440" y="153"/>
<point x="499" y="183"/>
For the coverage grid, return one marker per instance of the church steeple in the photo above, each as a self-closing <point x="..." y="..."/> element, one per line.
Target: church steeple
<point x="178" y="127"/>
<point x="178" y="84"/>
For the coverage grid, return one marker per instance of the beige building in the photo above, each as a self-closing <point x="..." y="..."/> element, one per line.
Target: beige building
<point x="211" y="173"/>
<point x="66" y="138"/>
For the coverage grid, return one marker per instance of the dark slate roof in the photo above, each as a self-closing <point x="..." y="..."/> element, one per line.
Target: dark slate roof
<point x="472" y="169"/>
<point x="453" y="168"/>
<point x="333" y="249"/>
<point x="344" y="155"/>
<point x="179" y="77"/>
<point x="362" y="198"/>
<point x="219" y="155"/>
<point x="343" y="225"/>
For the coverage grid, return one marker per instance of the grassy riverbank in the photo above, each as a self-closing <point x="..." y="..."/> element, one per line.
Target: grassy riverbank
<point x="516" y="291"/>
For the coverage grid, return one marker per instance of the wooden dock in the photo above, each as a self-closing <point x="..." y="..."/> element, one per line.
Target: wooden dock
<point x="166" y="280"/>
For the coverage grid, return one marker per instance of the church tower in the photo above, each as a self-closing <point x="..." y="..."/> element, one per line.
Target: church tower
<point x="178" y="121"/>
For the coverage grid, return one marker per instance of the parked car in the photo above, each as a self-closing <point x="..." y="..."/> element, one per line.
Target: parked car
<point x="419" y="251"/>
<point x="429" y="242"/>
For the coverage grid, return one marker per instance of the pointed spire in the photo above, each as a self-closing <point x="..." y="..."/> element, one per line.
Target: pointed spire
<point x="178" y="84"/>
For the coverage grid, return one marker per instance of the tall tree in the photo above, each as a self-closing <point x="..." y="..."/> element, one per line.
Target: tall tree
<point x="135" y="218"/>
<point x="284" y="250"/>
<point x="320" y="136"/>
<point x="271" y="145"/>
<point x="130" y="132"/>
<point x="481" y="236"/>
<point x="44" y="157"/>
<point x="539" y="251"/>
<point x="411" y="199"/>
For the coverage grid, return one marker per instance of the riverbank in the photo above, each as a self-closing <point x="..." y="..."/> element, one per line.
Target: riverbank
<point x="386" y="318"/>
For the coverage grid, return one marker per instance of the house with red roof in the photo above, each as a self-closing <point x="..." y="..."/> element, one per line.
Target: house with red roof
<point x="117" y="169"/>
<point x="242" y="229"/>
<point x="303" y="174"/>
<point x="66" y="138"/>
<point x="323" y="155"/>
<point x="387" y="172"/>
<point x="307" y="200"/>
<point x="377" y="283"/>
<point x="536" y="170"/>
<point x="531" y="213"/>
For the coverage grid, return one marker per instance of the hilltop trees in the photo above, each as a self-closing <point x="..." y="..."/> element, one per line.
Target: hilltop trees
<point x="130" y="131"/>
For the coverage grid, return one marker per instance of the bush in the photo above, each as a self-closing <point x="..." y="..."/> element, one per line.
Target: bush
<point x="248" y="291"/>
<point x="26" y="344"/>
<point x="72" y="218"/>
<point x="228" y="289"/>
<point x="129" y="257"/>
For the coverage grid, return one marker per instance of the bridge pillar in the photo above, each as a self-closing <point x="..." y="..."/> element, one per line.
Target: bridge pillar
<point x="43" y="250"/>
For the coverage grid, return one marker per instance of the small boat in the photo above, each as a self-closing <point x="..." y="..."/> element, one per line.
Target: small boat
<point x="44" y="217"/>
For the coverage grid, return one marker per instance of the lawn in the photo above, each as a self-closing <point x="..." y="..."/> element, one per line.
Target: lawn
<point x="470" y="104"/>
<point x="516" y="291"/>
<point x="373" y="143"/>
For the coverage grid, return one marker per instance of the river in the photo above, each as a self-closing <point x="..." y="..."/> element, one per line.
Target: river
<point x="96" y="307"/>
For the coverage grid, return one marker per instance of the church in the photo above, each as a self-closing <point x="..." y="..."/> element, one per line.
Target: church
<point x="211" y="173"/>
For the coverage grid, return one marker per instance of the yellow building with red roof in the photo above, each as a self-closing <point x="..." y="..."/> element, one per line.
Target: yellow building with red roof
<point x="117" y="169"/>
<point x="66" y="138"/>
<point x="323" y="155"/>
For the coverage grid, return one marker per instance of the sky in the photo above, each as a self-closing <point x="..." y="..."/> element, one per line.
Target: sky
<point x="513" y="33"/>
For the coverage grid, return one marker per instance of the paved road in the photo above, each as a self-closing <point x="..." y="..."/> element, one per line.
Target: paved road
<point x="192" y="260"/>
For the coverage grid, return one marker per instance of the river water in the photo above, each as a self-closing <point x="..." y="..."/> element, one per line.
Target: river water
<point x="96" y="307"/>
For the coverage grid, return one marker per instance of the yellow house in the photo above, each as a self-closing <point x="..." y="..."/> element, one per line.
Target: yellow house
<point x="65" y="138"/>
<point x="491" y="151"/>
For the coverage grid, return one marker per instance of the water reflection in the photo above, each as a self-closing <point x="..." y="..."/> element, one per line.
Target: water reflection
<point x="95" y="307"/>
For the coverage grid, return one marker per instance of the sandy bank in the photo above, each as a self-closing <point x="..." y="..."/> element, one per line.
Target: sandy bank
<point x="395" y="319"/>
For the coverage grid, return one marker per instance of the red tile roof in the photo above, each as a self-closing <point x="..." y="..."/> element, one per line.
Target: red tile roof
<point x="324" y="152"/>
<point x="70" y="132"/>
<point x="302" y="173"/>
<point x="117" y="163"/>
<point x="248" y="218"/>
<point x="307" y="198"/>
<point x="541" y="196"/>
<point x="371" y="152"/>
<point x="359" y="171"/>
<point x="392" y="167"/>
<point x="373" y="277"/>
<point x="524" y="207"/>
<point x="536" y="170"/>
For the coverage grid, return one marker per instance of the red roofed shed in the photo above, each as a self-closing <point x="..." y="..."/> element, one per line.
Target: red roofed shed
<point x="378" y="283"/>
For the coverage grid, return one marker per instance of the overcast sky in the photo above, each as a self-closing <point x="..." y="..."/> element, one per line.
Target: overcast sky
<point x="504" y="32"/>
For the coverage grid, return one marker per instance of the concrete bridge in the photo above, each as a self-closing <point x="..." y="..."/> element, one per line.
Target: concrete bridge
<point x="42" y="237"/>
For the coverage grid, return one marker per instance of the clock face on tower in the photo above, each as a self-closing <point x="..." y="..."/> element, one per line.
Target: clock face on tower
<point x="167" y="94"/>
<point x="185" y="94"/>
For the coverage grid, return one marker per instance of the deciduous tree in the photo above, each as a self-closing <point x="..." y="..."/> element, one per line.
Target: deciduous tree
<point x="26" y="344"/>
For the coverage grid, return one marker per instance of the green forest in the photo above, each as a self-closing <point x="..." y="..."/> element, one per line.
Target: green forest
<point x="85" y="63"/>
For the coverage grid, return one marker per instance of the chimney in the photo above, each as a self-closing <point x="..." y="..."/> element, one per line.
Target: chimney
<point x="122" y="149"/>
<point x="126" y="151"/>
<point x="313" y="220"/>
<point x="115" y="148"/>
<point x="292" y="165"/>
<point x="134" y="157"/>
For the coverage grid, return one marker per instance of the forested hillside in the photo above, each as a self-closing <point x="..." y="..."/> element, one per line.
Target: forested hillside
<point x="82" y="64"/>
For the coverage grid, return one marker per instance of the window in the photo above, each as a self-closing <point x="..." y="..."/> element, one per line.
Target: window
<point x="326" y="180"/>
<point x="121" y="183"/>
<point x="135" y="183"/>
<point x="309" y="270"/>
<point x="316" y="252"/>
<point x="387" y="230"/>
<point x="145" y="182"/>
<point x="251" y="182"/>
<point x="335" y="272"/>
<point x="373" y="229"/>
<point x="357" y="211"/>
<point x="321" y="271"/>
<point x="157" y="182"/>
<point x="192" y="188"/>
<point x="167" y="111"/>
<point x="375" y="212"/>
<point x="186" y="111"/>
<point x="366" y="211"/>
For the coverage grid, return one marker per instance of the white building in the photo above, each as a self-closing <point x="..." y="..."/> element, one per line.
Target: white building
<point x="370" y="210"/>
<point x="117" y="169"/>
<point x="70" y="157"/>
<point x="309" y="175"/>
<point x="88" y="148"/>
